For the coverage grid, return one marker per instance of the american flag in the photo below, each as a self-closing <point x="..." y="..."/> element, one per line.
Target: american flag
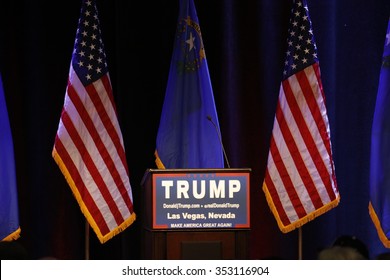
<point x="89" y="147"/>
<point x="300" y="181"/>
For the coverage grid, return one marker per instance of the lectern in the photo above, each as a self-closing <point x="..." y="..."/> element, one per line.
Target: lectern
<point x="196" y="213"/>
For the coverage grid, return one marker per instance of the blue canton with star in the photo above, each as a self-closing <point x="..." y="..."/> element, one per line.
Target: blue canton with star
<point x="301" y="47"/>
<point x="189" y="38"/>
<point x="89" y="58"/>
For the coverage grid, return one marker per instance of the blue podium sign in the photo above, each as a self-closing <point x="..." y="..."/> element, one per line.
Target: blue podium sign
<point x="201" y="199"/>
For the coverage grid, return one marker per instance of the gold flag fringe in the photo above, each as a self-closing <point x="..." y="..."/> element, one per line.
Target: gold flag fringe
<point x="374" y="217"/>
<point x="158" y="161"/>
<point x="302" y="221"/>
<point x="84" y="210"/>
<point x="13" y="236"/>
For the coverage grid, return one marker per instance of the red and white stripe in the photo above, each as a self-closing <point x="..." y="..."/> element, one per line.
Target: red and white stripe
<point x="90" y="151"/>
<point x="300" y="177"/>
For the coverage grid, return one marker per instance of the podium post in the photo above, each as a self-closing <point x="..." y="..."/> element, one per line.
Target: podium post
<point x="196" y="213"/>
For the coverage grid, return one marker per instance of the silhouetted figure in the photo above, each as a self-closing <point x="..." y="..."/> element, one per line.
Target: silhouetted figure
<point x="345" y="247"/>
<point x="353" y="242"/>
<point x="340" y="253"/>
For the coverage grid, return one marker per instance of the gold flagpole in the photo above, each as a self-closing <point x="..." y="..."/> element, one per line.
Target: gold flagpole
<point x="300" y="243"/>
<point x="86" y="240"/>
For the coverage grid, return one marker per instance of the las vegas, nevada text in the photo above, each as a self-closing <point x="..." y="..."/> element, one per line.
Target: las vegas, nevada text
<point x="197" y="214"/>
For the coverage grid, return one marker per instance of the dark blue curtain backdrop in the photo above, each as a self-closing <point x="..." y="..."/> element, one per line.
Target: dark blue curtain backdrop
<point x="245" y="43"/>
